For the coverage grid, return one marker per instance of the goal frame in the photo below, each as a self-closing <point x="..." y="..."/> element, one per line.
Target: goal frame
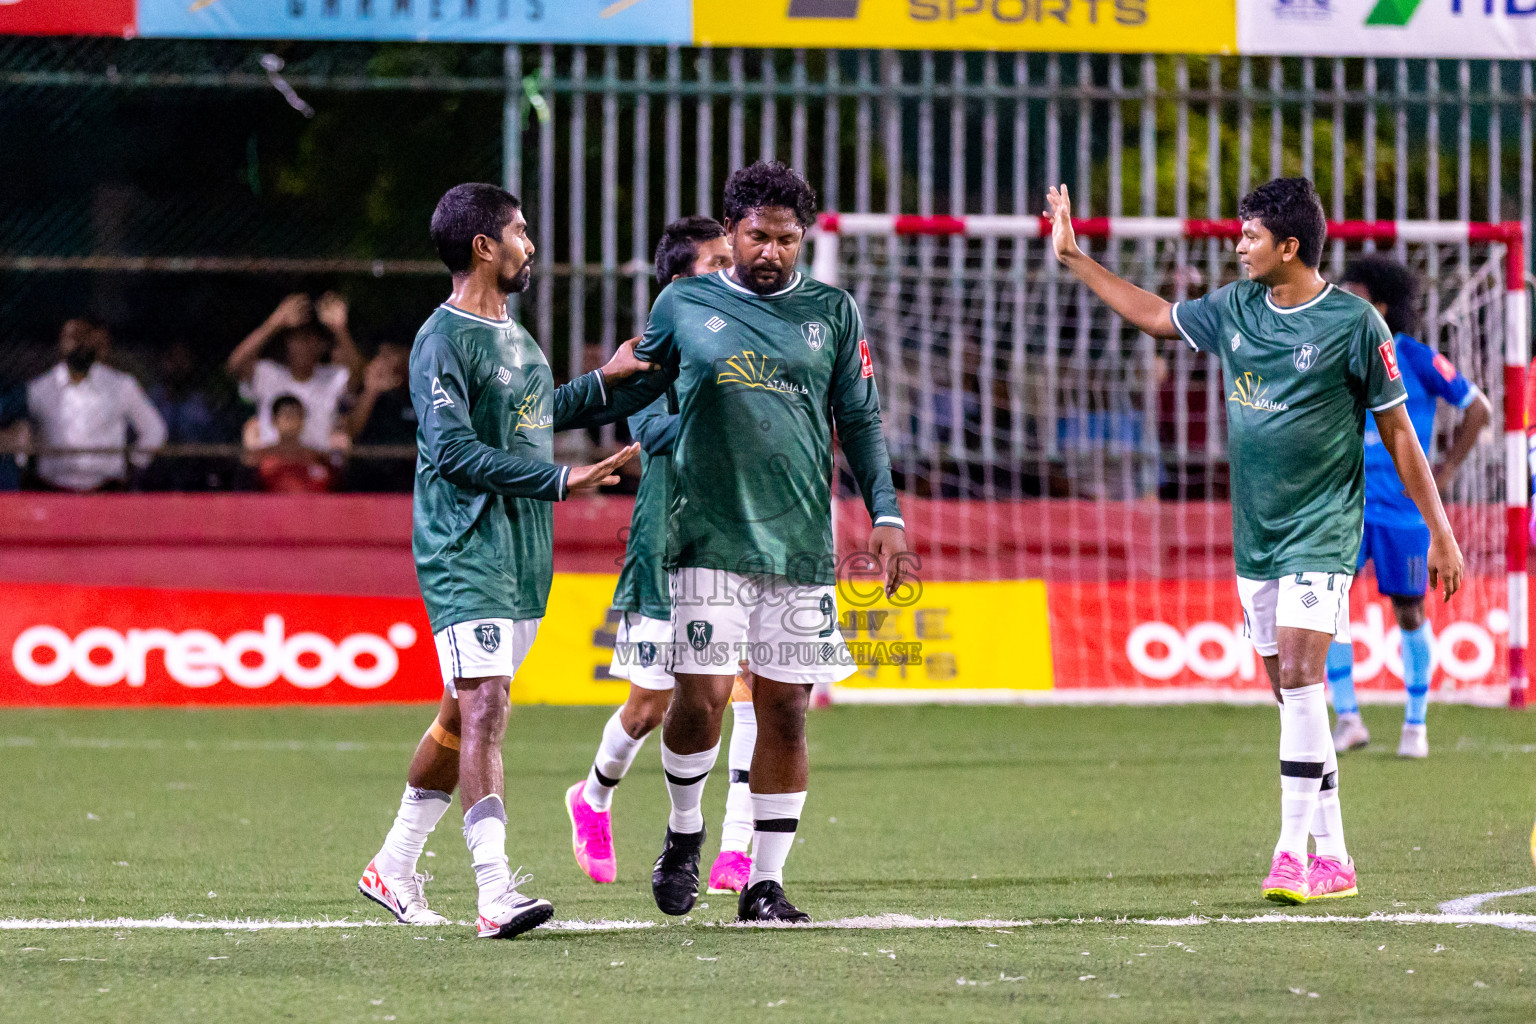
<point x="831" y="227"/>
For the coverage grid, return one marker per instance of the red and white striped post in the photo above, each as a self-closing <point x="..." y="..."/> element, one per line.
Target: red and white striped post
<point x="1517" y="342"/>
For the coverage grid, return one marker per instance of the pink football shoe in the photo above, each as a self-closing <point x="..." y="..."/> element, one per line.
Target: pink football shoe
<point x="591" y="836"/>
<point x="730" y="871"/>
<point x="1287" y="881"/>
<point x="1328" y="879"/>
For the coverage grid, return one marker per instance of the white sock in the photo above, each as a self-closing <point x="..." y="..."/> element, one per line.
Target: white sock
<point x="485" y="832"/>
<point x="614" y="756"/>
<point x="1304" y="748"/>
<point x="1328" y="820"/>
<point x="686" y="775"/>
<point x="776" y="817"/>
<point x="420" y="811"/>
<point x="736" y="832"/>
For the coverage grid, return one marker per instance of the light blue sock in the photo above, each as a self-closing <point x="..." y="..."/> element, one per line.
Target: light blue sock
<point x="1341" y="678"/>
<point x="1416" y="667"/>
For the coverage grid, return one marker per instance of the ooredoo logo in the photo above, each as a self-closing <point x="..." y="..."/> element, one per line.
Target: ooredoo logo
<point x="1464" y="651"/>
<point x="101" y="656"/>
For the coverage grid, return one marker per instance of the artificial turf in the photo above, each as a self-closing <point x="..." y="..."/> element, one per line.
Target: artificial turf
<point x="1075" y="819"/>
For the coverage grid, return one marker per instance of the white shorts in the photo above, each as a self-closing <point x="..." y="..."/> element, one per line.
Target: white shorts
<point x="1303" y="600"/>
<point x="783" y="631"/>
<point x="642" y="651"/>
<point x="483" y="647"/>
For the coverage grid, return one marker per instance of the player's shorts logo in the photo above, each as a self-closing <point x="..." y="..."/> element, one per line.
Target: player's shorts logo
<point x="1309" y="599"/>
<point x="699" y="634"/>
<point x="815" y="335"/>
<point x="647" y="652"/>
<point x="1305" y="356"/>
<point x="489" y="635"/>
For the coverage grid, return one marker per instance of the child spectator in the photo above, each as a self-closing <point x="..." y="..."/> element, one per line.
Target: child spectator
<point x="288" y="466"/>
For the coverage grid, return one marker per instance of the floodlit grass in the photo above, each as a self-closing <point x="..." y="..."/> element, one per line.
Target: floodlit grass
<point x="1074" y="819"/>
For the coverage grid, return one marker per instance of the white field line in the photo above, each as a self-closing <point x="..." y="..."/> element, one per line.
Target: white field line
<point x="881" y="922"/>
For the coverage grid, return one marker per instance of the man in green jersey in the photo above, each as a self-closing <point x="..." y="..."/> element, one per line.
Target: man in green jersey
<point x="766" y="364"/>
<point x="1302" y="362"/>
<point x="486" y="406"/>
<point x="689" y="247"/>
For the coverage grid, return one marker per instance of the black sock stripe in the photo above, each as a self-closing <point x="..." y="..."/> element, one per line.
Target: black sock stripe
<point x="1331" y="780"/>
<point x="1301" y="769"/>
<point x="678" y="780"/>
<point x="741" y="775"/>
<point x="604" y="780"/>
<point x="776" y="824"/>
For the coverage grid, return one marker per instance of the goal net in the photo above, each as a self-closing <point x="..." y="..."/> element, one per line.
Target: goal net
<point x="1044" y="447"/>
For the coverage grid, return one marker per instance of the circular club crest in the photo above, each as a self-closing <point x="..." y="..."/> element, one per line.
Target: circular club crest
<point x="815" y="334"/>
<point x="1305" y="356"/>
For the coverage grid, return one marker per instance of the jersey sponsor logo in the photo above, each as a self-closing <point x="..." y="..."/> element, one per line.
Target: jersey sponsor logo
<point x="1389" y="359"/>
<point x="815" y="335"/>
<point x="1252" y="392"/>
<point x="750" y="370"/>
<point x="1305" y="355"/>
<point x="440" y="399"/>
<point x="528" y="415"/>
<point x="1445" y="367"/>
<point x="866" y="365"/>
<point x="504" y="375"/>
<point x="699" y="634"/>
<point x="715" y="324"/>
<point x="489" y="635"/>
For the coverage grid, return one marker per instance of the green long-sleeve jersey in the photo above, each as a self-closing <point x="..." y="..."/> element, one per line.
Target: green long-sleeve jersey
<point x="642" y="586"/>
<point x="482" y="529"/>
<point x="762" y="381"/>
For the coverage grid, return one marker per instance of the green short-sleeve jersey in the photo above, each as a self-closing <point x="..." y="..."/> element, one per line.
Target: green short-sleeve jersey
<point x="486" y="406"/>
<point x="762" y="381"/>
<point x="1297" y="382"/>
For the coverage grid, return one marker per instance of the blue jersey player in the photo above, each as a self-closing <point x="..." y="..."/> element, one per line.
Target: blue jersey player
<point x="1396" y="539"/>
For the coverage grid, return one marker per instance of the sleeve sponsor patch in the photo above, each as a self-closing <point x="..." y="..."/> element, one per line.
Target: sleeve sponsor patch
<point x="867" y="366"/>
<point x="1389" y="359"/>
<point x="1445" y="367"/>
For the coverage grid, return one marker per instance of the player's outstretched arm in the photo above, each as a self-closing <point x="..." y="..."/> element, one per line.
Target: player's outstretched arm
<point x="1396" y="430"/>
<point x="1148" y="313"/>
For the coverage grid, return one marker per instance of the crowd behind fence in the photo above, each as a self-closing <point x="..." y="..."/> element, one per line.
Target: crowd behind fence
<point x="168" y="194"/>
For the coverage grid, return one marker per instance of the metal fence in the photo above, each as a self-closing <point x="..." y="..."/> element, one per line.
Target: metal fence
<point x="217" y="192"/>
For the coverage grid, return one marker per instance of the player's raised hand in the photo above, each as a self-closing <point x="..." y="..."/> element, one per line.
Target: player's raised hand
<point x="1444" y="564"/>
<point x="624" y="364"/>
<point x="1059" y="209"/>
<point x="601" y="474"/>
<point x="889" y="545"/>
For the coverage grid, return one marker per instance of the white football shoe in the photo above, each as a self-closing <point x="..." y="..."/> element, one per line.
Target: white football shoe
<point x="401" y="895"/>
<point x="1415" y="741"/>
<point x="1350" y="733"/>
<point x="511" y="913"/>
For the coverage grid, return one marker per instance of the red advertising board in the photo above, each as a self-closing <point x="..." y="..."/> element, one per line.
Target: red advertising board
<point x="1187" y="634"/>
<point x="67" y="18"/>
<point x="70" y="645"/>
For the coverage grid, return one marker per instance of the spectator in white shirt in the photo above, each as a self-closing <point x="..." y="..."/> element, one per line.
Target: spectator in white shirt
<point x="81" y="403"/>
<point x="309" y="332"/>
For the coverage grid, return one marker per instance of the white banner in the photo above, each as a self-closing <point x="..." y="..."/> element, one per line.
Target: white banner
<point x="1388" y="28"/>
